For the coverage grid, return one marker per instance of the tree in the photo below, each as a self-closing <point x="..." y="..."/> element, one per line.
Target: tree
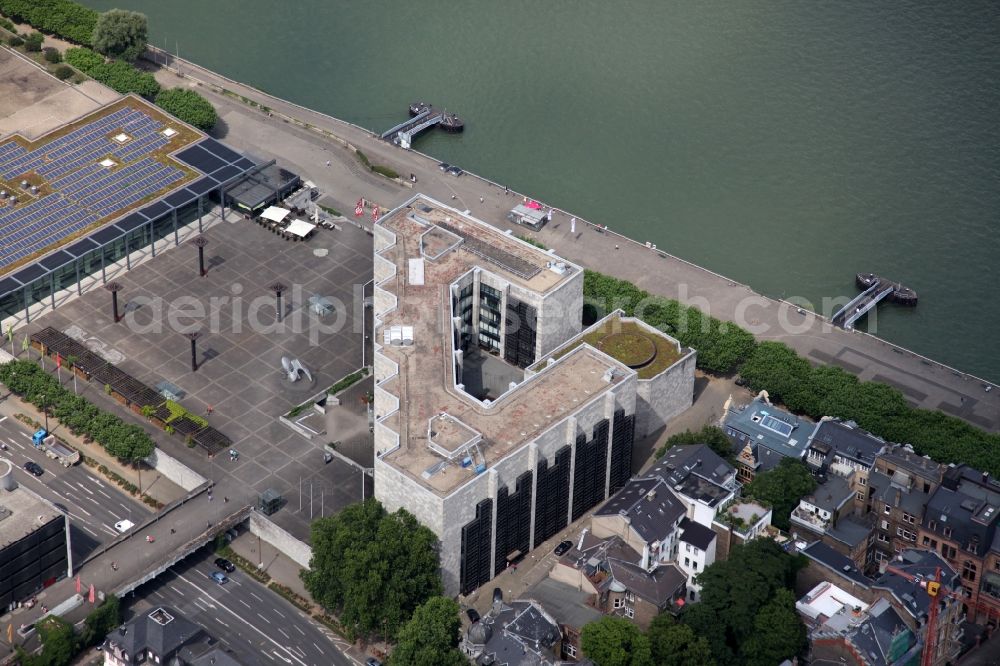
<point x="64" y="18"/>
<point x="120" y="33"/>
<point x="782" y="488"/>
<point x="58" y="641"/>
<point x="374" y="569"/>
<point x="33" y="41"/>
<point x="733" y="593"/>
<point x="63" y="72"/>
<point x="52" y="55"/>
<point x="614" y="641"/>
<point x="675" y="644"/>
<point x="431" y="636"/>
<point x="713" y="436"/>
<point x="101" y="621"/>
<point x="778" y="633"/>
<point x="189" y="106"/>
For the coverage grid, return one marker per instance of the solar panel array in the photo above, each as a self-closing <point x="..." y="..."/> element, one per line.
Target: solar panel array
<point x="85" y="191"/>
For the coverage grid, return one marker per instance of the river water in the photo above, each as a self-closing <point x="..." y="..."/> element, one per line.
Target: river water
<point x="785" y="144"/>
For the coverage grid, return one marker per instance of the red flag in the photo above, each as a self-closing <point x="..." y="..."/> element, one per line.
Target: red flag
<point x="90" y="597"/>
<point x="58" y="360"/>
<point x="78" y="583"/>
<point x="359" y="210"/>
<point x="375" y="214"/>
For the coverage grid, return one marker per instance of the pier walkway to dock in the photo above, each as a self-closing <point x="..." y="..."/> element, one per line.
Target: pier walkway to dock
<point x="876" y="289"/>
<point x="423" y="117"/>
<point x="297" y="136"/>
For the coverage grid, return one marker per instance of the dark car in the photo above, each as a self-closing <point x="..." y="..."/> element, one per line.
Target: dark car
<point x="372" y="661"/>
<point x="473" y="615"/>
<point x="563" y="547"/>
<point x="225" y="564"/>
<point x="34" y="468"/>
<point x="455" y="171"/>
<point x="444" y="166"/>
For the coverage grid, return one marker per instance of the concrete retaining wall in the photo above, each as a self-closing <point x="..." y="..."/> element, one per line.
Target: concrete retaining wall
<point x="175" y="470"/>
<point x="260" y="526"/>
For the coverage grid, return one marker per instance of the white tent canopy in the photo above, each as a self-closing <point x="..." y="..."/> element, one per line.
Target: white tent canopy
<point x="275" y="214"/>
<point x="300" y="228"/>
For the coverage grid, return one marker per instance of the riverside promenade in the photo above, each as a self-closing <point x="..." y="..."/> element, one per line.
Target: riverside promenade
<point x="321" y="148"/>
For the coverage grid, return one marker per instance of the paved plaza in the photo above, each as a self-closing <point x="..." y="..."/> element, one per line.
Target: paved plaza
<point x="239" y="385"/>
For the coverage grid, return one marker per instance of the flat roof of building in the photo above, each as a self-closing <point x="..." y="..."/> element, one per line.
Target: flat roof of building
<point x="22" y="512"/>
<point x="452" y="244"/>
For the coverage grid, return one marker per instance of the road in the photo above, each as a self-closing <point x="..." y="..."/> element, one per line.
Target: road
<point x="256" y="624"/>
<point x="94" y="505"/>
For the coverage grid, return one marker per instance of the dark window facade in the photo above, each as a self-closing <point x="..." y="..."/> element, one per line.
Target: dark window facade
<point x="33" y="562"/>
<point x="519" y="333"/>
<point x="590" y="469"/>
<point x="513" y="521"/>
<point x="477" y="536"/>
<point x="489" y="317"/>
<point x="622" y="440"/>
<point x="552" y="495"/>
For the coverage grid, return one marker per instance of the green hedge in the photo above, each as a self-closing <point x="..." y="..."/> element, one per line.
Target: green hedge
<point x="189" y="106"/>
<point x="83" y="59"/>
<point x="721" y="346"/>
<point x="790" y="379"/>
<point x="69" y="20"/>
<point x="385" y="171"/>
<point x="122" y="440"/>
<point x="116" y="74"/>
<point x="831" y="391"/>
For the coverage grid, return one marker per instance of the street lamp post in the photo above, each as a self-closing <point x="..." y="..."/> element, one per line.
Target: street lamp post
<point x="193" y="337"/>
<point x="45" y="410"/>
<point x="277" y="288"/>
<point x="200" y="242"/>
<point x="114" y="288"/>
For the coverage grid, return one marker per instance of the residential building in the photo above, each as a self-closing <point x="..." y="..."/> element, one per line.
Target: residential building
<point x="906" y="594"/>
<point x="897" y="511"/>
<point x="845" y="629"/>
<point x="960" y="522"/>
<point x="828" y="514"/>
<point x="697" y="551"/>
<point x="701" y="479"/>
<point x="520" y="632"/>
<point x="737" y="522"/>
<point x="570" y="606"/>
<point x="163" y="636"/>
<point x="609" y="571"/>
<point x="496" y="457"/>
<point x="842" y="448"/>
<point x="763" y="435"/>
<point x="34" y="541"/>
<point x="646" y="515"/>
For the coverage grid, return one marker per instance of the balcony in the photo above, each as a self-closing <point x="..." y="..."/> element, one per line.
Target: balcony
<point x="810" y="520"/>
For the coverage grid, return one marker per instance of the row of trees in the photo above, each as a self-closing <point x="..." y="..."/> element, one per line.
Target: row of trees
<point x="721" y="346"/>
<point x="371" y="568"/>
<point x="122" y="440"/>
<point x="878" y="408"/>
<point x="60" y="642"/>
<point x="746" y="616"/>
<point x="62" y="18"/>
<point x="791" y="379"/>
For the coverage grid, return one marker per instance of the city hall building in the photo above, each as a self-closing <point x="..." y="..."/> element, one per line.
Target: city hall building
<point x="89" y="197"/>
<point x="498" y="421"/>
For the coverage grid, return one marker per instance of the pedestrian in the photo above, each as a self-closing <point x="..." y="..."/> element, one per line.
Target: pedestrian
<point x="328" y="162"/>
<point x="453" y="197"/>
<point x="480" y="200"/>
<point x="173" y="531"/>
<point x="114" y="566"/>
<point x="209" y="409"/>
<point x="572" y="225"/>
<point x="225" y="499"/>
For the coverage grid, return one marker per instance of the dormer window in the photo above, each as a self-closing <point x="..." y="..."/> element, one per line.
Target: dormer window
<point x="947" y="531"/>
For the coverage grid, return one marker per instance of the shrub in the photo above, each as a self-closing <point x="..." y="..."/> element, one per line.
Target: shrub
<point x="62" y="18"/>
<point x="7" y="25"/>
<point x="33" y="42"/>
<point x="52" y="55"/>
<point x="15" y="41"/>
<point x="124" y="78"/>
<point x="189" y="106"/>
<point x="364" y="159"/>
<point x="63" y="72"/>
<point x="83" y="59"/>
<point x="385" y="171"/>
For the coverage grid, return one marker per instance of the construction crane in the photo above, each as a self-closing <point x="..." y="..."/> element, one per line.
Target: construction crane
<point x="934" y="590"/>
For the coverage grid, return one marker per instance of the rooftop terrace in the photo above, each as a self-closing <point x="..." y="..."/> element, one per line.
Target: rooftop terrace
<point x="21" y="513"/>
<point x="424" y="383"/>
<point x="85" y="174"/>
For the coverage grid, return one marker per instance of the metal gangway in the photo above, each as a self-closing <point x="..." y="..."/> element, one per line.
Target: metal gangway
<point x="862" y="303"/>
<point x="402" y="134"/>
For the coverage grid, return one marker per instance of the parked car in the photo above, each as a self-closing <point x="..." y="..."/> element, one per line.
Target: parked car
<point x="372" y="661"/>
<point x="225" y="564"/>
<point x="473" y="615"/>
<point x="219" y="577"/>
<point x="455" y="171"/>
<point x="34" y="468"/>
<point x="563" y="547"/>
<point x="444" y="166"/>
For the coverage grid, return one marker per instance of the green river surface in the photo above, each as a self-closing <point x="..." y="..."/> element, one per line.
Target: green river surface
<point x="787" y="145"/>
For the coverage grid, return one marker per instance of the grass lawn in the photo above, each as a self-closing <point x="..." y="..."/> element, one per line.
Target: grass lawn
<point x="632" y="345"/>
